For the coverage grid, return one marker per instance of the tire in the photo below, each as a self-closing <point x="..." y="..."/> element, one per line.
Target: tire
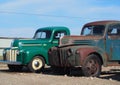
<point x="15" y="67"/>
<point x="92" y="66"/>
<point x="37" y="64"/>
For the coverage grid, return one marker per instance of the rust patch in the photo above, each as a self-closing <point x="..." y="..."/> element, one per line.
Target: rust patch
<point x="113" y="64"/>
<point x="101" y="22"/>
<point x="105" y="59"/>
<point x="113" y="37"/>
<point x="82" y="37"/>
<point x="84" y="52"/>
<point x="67" y="40"/>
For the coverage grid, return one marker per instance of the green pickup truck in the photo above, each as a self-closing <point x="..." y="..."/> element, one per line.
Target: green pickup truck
<point x="33" y="53"/>
<point x="98" y="45"/>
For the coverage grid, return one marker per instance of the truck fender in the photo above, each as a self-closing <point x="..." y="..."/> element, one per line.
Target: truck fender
<point x="29" y="55"/>
<point x="85" y="52"/>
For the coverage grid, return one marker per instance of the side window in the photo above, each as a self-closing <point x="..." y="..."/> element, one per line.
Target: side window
<point x="114" y="30"/>
<point x="59" y="34"/>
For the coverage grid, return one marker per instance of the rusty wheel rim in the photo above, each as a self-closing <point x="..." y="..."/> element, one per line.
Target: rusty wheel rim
<point x="91" y="67"/>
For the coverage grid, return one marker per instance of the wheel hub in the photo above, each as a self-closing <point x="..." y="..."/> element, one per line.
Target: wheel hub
<point x="37" y="64"/>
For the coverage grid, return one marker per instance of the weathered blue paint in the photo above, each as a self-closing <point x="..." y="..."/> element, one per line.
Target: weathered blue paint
<point x="101" y="39"/>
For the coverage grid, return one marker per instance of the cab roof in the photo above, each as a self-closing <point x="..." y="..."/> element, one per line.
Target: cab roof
<point x="105" y="22"/>
<point x="54" y="28"/>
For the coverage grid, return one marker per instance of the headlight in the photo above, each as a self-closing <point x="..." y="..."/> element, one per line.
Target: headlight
<point x="4" y="53"/>
<point x="18" y="52"/>
<point x="70" y="52"/>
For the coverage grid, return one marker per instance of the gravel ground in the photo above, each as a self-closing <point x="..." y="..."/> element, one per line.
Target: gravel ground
<point x="109" y="76"/>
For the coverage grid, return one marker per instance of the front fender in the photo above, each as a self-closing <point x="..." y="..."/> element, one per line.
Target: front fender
<point x="84" y="52"/>
<point x="30" y="54"/>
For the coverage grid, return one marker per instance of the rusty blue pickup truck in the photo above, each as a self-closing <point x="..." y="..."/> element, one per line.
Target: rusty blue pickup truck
<point x="98" y="45"/>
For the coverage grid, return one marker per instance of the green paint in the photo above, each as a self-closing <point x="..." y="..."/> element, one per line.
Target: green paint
<point x="27" y="49"/>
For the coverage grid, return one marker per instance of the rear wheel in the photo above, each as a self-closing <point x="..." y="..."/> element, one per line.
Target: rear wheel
<point x="37" y="64"/>
<point x="92" y="66"/>
<point x="15" y="67"/>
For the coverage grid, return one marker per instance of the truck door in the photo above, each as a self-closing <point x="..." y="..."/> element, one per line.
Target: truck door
<point x="113" y="42"/>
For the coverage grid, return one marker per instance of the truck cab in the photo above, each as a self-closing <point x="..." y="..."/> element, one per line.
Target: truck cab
<point x="97" y="46"/>
<point x="33" y="53"/>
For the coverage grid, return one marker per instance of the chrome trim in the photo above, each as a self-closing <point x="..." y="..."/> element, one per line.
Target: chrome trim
<point x="11" y="55"/>
<point x="14" y="47"/>
<point x="31" y="45"/>
<point x="9" y="62"/>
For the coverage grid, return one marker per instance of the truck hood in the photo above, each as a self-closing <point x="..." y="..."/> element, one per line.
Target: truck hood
<point x="79" y="40"/>
<point x="29" y="42"/>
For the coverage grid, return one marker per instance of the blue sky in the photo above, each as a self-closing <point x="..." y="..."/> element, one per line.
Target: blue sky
<point x="21" y="18"/>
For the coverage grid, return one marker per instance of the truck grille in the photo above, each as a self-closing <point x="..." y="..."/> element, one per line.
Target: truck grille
<point x="11" y="55"/>
<point x="63" y="57"/>
<point x="54" y="57"/>
<point x="58" y="57"/>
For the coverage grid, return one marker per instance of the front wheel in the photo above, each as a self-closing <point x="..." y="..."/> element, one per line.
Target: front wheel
<point x="92" y="66"/>
<point x="37" y="64"/>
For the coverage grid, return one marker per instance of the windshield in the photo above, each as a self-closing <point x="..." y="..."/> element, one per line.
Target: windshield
<point x="42" y="34"/>
<point x="93" y="30"/>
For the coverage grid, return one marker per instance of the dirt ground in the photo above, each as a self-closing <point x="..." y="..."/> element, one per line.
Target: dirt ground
<point x="109" y="76"/>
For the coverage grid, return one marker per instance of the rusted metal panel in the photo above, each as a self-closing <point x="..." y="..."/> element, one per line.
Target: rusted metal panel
<point x="102" y="22"/>
<point x="64" y="57"/>
<point x="84" y="52"/>
<point x="69" y="40"/>
<point x="114" y="37"/>
<point x="54" y="56"/>
<point x="105" y="46"/>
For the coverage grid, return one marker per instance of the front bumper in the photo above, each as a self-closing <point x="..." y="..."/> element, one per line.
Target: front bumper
<point x="10" y="62"/>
